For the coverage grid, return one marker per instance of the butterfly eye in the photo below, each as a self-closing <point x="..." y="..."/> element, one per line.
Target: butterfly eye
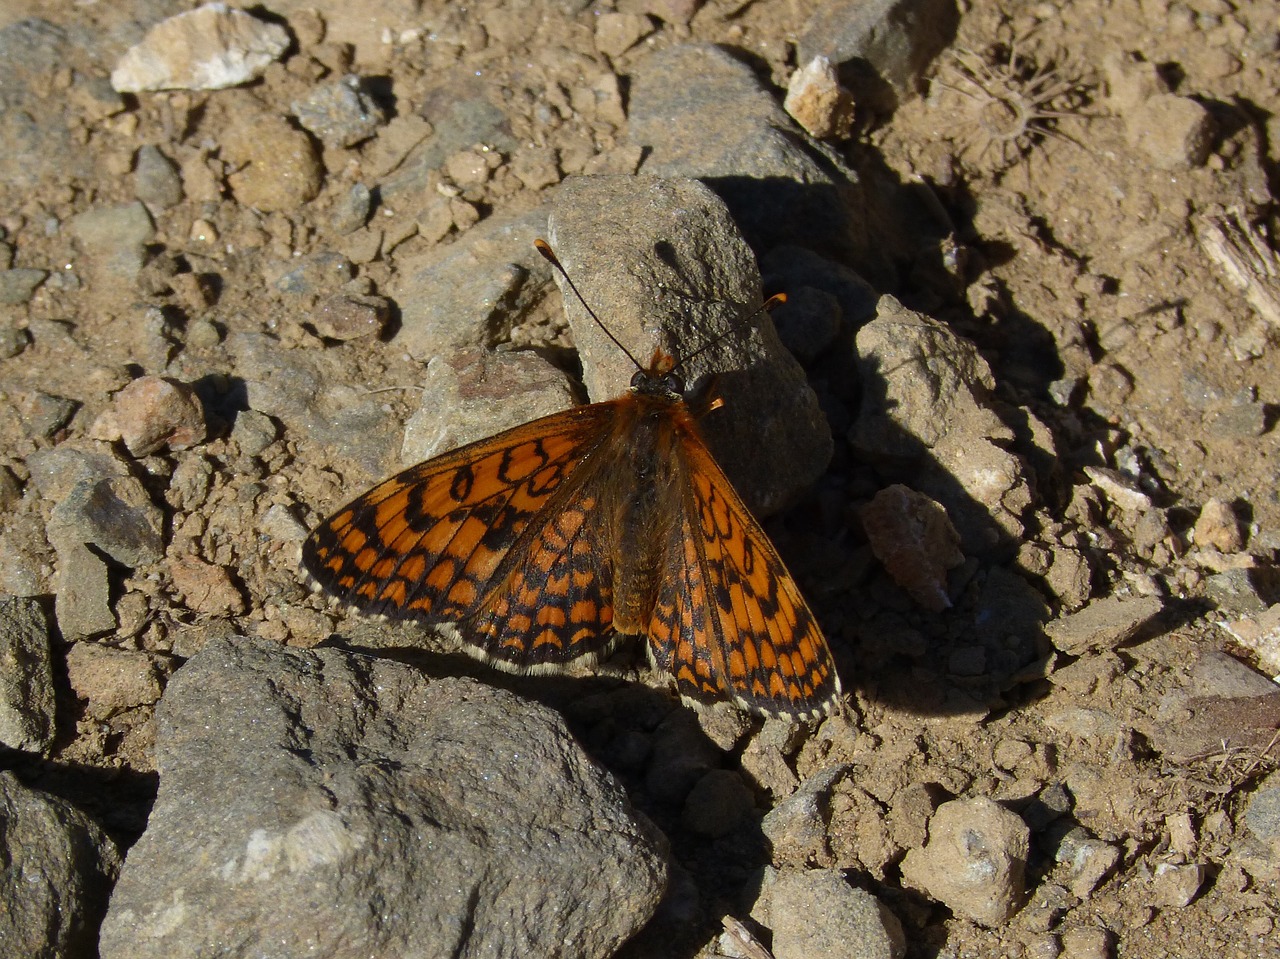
<point x="673" y="383"/>
<point x="639" y="379"/>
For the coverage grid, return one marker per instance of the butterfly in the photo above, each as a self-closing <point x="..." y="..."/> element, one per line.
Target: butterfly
<point x="548" y="542"/>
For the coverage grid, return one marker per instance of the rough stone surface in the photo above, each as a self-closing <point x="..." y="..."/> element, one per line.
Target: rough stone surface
<point x="208" y="48"/>
<point x="816" y="914"/>
<point x="115" y="515"/>
<point x="974" y="861"/>
<point x="111" y="680"/>
<point x="341" y="113"/>
<point x="661" y="262"/>
<point x="26" y="676"/>
<point x="297" y="788"/>
<point x="58" y="869"/>
<point x="462" y="295"/>
<point x="472" y="393"/>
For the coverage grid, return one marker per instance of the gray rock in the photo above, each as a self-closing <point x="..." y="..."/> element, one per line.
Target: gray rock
<point x="113" y="238"/>
<point x="82" y="601"/>
<point x="472" y="292"/>
<point x="56" y="470"/>
<point x="1103" y="624"/>
<point x="26" y="677"/>
<point x="59" y="866"/>
<point x="209" y="48"/>
<point x="882" y="47"/>
<point x="115" y="515"/>
<point x="1249" y="590"/>
<point x="19" y="285"/>
<point x="352" y="209"/>
<point x="298" y="788"/>
<point x="816" y="914"/>
<point x="796" y="828"/>
<point x="974" y="861"/>
<point x="253" y="432"/>
<point x="43" y="414"/>
<point x="662" y="264"/>
<point x="1262" y="814"/>
<point x="156" y="181"/>
<point x="471" y="394"/>
<point x="1087" y="860"/>
<point x="341" y="113"/>
<point x="701" y="113"/>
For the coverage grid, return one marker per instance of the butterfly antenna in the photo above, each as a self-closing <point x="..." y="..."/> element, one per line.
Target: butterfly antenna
<point x="549" y="255"/>
<point x="774" y="301"/>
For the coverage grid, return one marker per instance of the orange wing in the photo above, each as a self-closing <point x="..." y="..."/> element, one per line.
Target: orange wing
<point x="731" y="619"/>
<point x="485" y="534"/>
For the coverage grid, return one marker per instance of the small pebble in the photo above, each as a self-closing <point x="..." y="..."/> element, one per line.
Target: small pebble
<point x="818" y="103"/>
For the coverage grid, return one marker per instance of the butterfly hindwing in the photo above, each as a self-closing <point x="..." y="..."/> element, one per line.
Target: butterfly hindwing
<point x="552" y="599"/>
<point x="427" y="542"/>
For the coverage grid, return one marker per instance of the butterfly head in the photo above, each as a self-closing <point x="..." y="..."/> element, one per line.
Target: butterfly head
<point x="659" y="378"/>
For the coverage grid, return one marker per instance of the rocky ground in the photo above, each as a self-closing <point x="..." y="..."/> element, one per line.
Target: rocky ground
<point x="1022" y="464"/>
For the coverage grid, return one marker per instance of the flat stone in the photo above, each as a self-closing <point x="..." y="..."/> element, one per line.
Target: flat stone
<point x="702" y="113"/>
<point x="471" y="394"/>
<point x="1102" y="624"/>
<point x="111" y="680"/>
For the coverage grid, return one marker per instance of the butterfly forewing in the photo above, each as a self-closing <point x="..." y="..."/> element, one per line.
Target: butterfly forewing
<point x="427" y="542"/>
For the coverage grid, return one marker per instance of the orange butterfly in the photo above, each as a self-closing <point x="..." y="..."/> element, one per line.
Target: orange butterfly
<point x="548" y="541"/>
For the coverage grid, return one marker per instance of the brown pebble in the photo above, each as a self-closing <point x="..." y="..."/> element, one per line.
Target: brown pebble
<point x="153" y="412"/>
<point x="1218" y="528"/>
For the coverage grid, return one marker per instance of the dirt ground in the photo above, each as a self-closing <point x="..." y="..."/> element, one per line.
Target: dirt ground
<point x="1069" y="235"/>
